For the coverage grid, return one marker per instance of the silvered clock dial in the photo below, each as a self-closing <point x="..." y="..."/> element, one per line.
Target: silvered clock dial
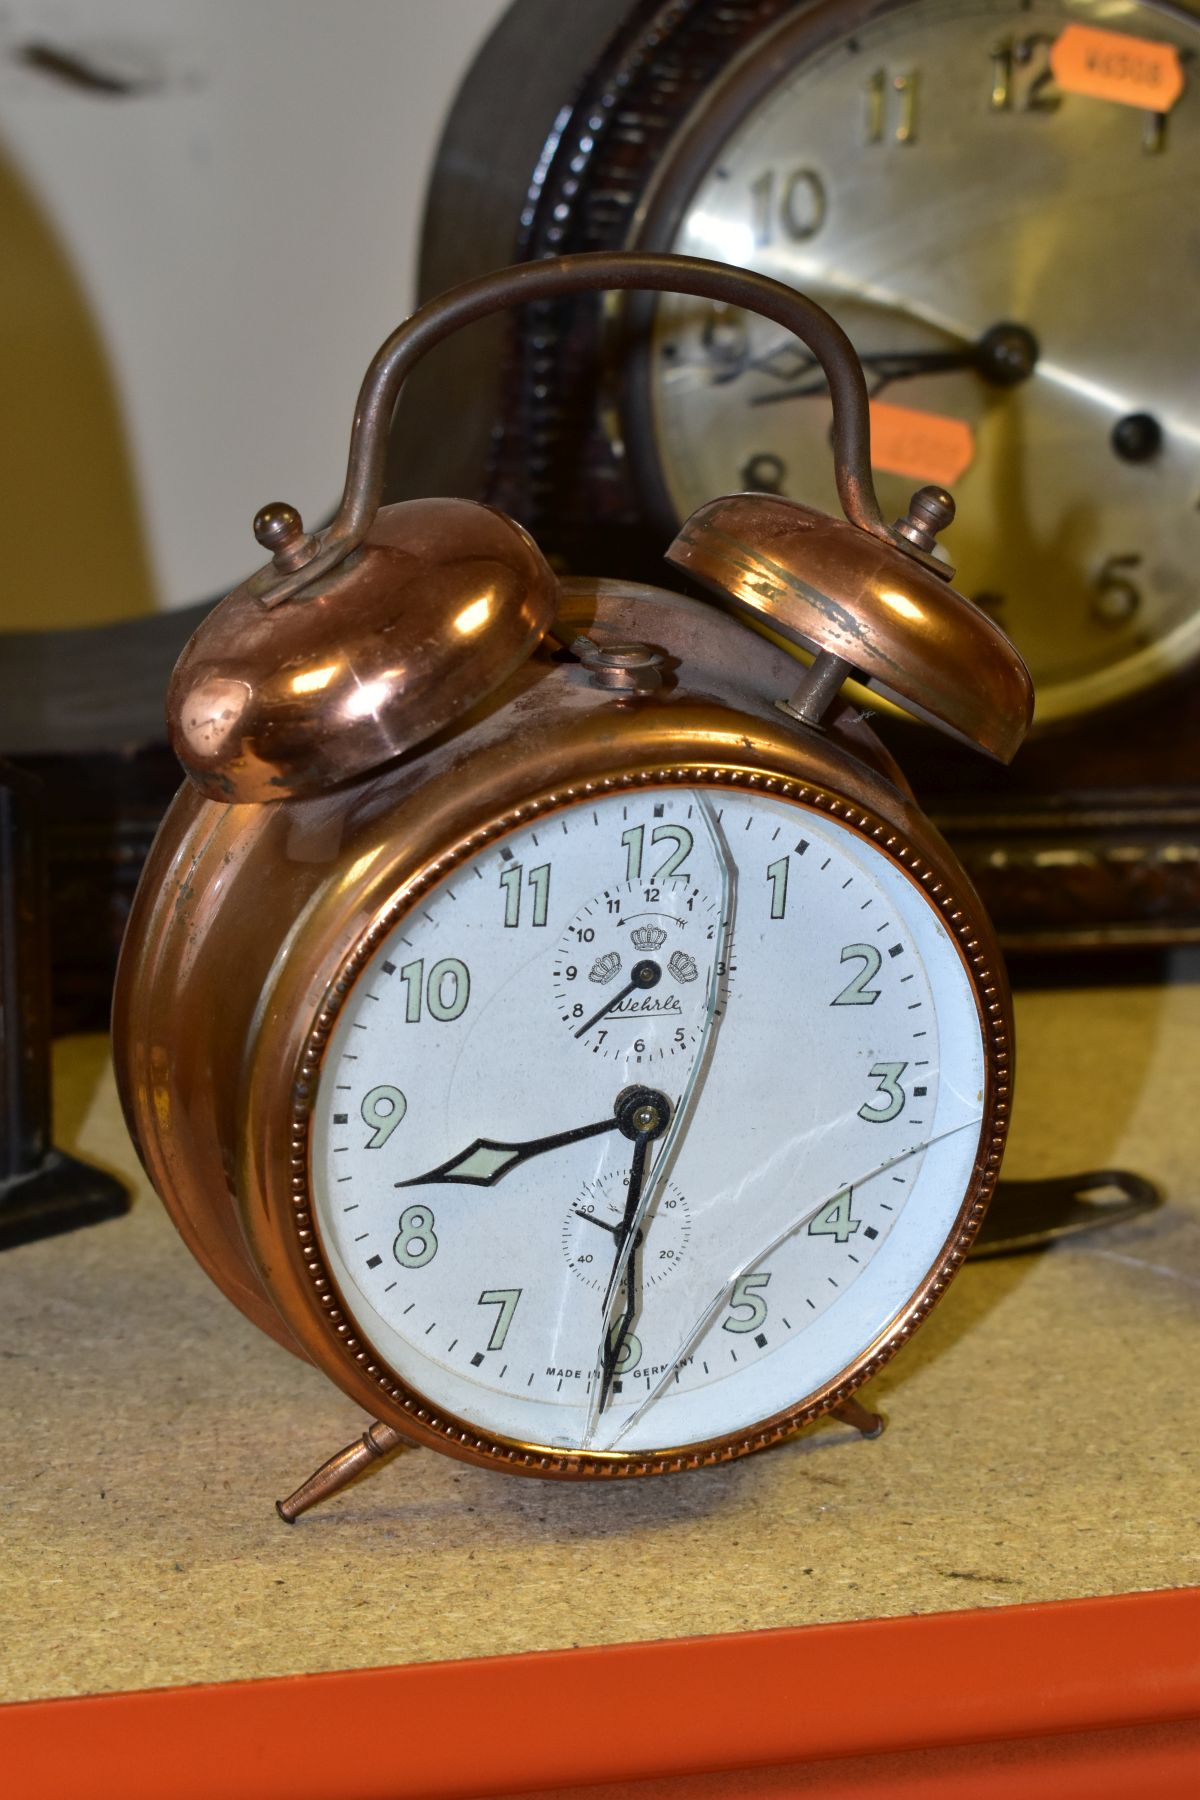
<point x="1017" y="264"/>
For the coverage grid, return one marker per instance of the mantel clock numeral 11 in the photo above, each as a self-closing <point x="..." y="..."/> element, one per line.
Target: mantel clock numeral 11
<point x="618" y="1064"/>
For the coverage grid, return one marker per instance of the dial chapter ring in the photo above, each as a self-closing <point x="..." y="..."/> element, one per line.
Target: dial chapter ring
<point x="327" y="1329"/>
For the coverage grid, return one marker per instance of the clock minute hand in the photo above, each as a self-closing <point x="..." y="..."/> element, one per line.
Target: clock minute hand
<point x="649" y="1186"/>
<point x="1005" y="355"/>
<point x="633" y="1194"/>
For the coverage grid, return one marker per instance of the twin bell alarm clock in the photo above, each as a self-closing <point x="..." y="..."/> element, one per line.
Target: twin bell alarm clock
<point x="545" y="1007"/>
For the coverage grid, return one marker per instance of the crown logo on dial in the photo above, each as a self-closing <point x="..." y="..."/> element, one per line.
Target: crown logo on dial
<point x="682" y="966"/>
<point x="648" y="937"/>
<point x="604" y="967"/>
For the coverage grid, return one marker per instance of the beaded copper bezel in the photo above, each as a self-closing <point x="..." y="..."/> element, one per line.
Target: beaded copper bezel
<point x="350" y="1359"/>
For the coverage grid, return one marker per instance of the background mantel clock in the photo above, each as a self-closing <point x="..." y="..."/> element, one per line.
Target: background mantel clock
<point x="1016" y="260"/>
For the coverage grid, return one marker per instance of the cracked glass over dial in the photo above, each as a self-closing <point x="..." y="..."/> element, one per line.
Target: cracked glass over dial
<point x="802" y="1157"/>
<point x="1018" y="265"/>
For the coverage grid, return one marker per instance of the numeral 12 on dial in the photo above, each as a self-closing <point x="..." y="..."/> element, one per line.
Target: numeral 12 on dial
<point x="672" y="864"/>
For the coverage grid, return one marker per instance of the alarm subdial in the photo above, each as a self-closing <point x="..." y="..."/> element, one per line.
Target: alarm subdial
<point x="590" y="1229"/>
<point x="633" y="970"/>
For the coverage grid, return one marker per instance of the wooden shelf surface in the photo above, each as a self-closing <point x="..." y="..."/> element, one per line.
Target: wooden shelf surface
<point x="1040" y="1448"/>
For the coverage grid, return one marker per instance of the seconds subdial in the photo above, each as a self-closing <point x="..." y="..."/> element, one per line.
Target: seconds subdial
<point x="632" y="970"/>
<point x="591" y="1226"/>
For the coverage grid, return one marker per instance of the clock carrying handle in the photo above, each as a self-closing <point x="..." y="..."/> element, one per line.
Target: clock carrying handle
<point x="591" y="272"/>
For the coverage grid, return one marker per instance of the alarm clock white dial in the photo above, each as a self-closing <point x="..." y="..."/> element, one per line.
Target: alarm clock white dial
<point x="804" y="1151"/>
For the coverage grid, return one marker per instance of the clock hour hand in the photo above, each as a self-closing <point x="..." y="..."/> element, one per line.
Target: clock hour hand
<point x="488" y="1160"/>
<point x="881" y="368"/>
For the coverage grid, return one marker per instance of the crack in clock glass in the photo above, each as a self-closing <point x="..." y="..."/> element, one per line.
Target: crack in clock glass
<point x="716" y="1016"/>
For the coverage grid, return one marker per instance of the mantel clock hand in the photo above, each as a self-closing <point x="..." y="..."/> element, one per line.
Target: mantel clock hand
<point x="1004" y="355"/>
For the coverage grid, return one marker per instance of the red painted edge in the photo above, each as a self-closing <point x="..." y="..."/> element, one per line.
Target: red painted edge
<point x="498" y="1725"/>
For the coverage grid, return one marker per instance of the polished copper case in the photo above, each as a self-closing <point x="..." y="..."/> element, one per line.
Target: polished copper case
<point x="253" y="922"/>
<point x="902" y="628"/>
<point x="442" y="601"/>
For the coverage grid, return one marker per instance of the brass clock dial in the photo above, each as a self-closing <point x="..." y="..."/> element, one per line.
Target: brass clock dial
<point x="1016" y="264"/>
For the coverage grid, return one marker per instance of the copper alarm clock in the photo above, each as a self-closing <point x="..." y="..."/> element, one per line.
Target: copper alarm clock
<point x="545" y="1008"/>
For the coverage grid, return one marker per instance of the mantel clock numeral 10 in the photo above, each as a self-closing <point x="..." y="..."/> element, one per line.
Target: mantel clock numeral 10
<point x="619" y="1064"/>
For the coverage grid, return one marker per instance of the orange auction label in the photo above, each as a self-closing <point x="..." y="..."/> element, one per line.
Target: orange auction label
<point x="1108" y="65"/>
<point x="923" y="445"/>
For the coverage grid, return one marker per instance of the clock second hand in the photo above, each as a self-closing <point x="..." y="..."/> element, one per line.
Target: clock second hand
<point x="604" y="1224"/>
<point x="645" y="975"/>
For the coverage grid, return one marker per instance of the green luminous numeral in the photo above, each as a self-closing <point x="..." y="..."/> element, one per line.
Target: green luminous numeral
<point x="415" y="1243"/>
<point x="835" y="1220"/>
<point x="539" y="881"/>
<point x="859" y="993"/>
<point x="777" y="875"/>
<point x="383" y="1108"/>
<point x="446" y="992"/>
<point x="672" y="864"/>
<point x="747" y="1303"/>
<point x="888" y="1076"/>
<point x="506" y="1299"/>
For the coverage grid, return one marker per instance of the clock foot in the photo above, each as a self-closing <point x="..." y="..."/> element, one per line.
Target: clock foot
<point x="377" y="1440"/>
<point x="1028" y="1215"/>
<point x="851" y="1412"/>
